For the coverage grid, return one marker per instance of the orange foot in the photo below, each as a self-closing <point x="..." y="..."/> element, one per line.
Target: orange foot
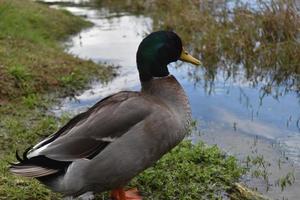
<point x="121" y="194"/>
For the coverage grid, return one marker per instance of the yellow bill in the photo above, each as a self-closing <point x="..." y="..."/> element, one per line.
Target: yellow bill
<point x="185" y="56"/>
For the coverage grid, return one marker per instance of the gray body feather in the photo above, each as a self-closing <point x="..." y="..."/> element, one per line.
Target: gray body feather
<point x="113" y="141"/>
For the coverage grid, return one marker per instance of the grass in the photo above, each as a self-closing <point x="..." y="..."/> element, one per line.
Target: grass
<point x="22" y="126"/>
<point x="32" y="59"/>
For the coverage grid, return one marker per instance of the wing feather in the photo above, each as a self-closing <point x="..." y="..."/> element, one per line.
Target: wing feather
<point x="88" y="133"/>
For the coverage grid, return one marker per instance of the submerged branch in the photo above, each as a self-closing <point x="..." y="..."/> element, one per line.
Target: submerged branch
<point x="241" y="192"/>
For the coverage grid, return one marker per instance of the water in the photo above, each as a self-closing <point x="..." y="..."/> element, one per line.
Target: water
<point x="110" y="41"/>
<point x="231" y="114"/>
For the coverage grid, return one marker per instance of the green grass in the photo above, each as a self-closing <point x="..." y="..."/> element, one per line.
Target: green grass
<point x="22" y="125"/>
<point x="32" y="59"/>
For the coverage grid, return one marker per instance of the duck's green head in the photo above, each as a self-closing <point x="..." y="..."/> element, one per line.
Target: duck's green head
<point x="156" y="51"/>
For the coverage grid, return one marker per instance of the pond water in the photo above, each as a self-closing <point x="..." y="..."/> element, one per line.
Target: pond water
<point x="232" y="114"/>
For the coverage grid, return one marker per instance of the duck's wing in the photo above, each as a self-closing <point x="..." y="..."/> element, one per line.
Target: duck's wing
<point x="90" y="132"/>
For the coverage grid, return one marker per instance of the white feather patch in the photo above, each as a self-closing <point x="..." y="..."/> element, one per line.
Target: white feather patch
<point x="108" y="139"/>
<point x="36" y="152"/>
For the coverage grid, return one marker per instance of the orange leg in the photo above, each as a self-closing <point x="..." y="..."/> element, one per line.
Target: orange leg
<point x="121" y="194"/>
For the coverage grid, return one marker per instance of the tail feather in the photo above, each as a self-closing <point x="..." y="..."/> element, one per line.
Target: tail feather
<point x="31" y="170"/>
<point x="38" y="166"/>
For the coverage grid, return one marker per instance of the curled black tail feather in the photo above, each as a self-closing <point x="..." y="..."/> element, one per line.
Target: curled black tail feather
<point x="26" y="152"/>
<point x="18" y="157"/>
<point x="43" y="161"/>
<point x="24" y="155"/>
<point x="36" y="166"/>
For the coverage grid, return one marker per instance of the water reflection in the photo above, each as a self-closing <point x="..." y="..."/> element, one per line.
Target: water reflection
<point x="257" y="41"/>
<point x="250" y="43"/>
<point x="56" y="2"/>
<point x="109" y="41"/>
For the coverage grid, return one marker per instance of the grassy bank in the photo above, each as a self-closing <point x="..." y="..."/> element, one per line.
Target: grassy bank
<point x="31" y="57"/>
<point x="34" y="71"/>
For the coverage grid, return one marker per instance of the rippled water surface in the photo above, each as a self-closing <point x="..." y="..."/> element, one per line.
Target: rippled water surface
<point x="231" y="113"/>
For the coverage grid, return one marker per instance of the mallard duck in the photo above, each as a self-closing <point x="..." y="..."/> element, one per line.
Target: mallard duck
<point x="121" y="135"/>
